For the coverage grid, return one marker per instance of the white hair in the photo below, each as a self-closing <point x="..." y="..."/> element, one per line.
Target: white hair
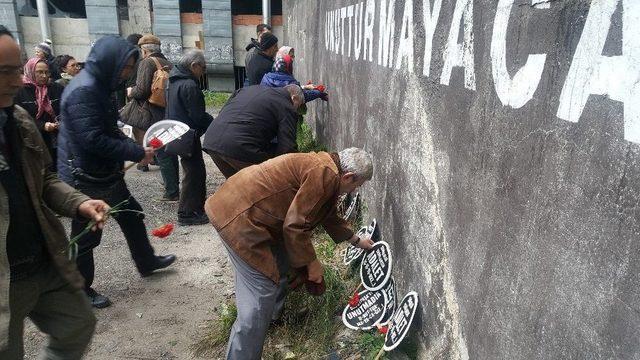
<point x="295" y="90"/>
<point x="357" y="161"/>
<point x="191" y="56"/>
<point x="152" y="48"/>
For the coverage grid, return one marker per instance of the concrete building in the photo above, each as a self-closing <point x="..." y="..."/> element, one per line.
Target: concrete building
<point x="506" y="139"/>
<point x="222" y="28"/>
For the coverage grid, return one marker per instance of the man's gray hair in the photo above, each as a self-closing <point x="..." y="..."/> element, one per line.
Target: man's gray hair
<point x="191" y="56"/>
<point x="357" y="161"/>
<point x="152" y="48"/>
<point x="295" y="90"/>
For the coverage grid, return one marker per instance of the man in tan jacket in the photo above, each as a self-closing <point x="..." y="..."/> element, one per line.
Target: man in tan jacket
<point x="37" y="279"/>
<point x="265" y="215"/>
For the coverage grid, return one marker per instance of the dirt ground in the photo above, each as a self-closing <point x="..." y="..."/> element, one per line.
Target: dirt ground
<point x="161" y="316"/>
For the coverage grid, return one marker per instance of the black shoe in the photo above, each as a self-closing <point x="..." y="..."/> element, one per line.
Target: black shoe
<point x="160" y="263"/>
<point x="166" y="198"/>
<point x="97" y="300"/>
<point x="194" y="219"/>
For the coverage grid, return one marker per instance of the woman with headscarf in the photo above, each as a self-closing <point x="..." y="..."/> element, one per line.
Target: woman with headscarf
<point x="281" y="75"/>
<point x="44" y="51"/>
<point x="40" y="97"/>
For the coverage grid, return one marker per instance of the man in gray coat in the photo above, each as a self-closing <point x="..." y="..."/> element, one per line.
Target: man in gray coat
<point x="37" y="279"/>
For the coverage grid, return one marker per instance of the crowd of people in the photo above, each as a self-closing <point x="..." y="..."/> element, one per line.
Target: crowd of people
<point x="62" y="153"/>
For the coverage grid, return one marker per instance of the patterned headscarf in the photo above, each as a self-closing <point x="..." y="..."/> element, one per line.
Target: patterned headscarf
<point x="283" y="61"/>
<point x="42" y="96"/>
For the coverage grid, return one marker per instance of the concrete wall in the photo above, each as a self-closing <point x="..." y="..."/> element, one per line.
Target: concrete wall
<point x="70" y="36"/>
<point x="506" y="141"/>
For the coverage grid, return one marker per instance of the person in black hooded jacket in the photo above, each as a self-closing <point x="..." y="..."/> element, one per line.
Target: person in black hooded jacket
<point x="185" y="103"/>
<point x="92" y="151"/>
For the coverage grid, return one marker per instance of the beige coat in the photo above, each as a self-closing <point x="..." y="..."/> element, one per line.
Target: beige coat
<point x="48" y="195"/>
<point x="279" y="201"/>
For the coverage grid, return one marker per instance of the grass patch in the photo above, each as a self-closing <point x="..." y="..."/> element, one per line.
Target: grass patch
<point x="218" y="332"/>
<point x="306" y="141"/>
<point x="215" y="99"/>
<point x="309" y="321"/>
<point x="369" y="344"/>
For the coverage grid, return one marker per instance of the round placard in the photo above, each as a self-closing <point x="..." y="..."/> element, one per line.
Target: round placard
<point x="375" y="270"/>
<point x="367" y="313"/>
<point x="401" y="321"/>
<point x="389" y="290"/>
<point x="165" y="131"/>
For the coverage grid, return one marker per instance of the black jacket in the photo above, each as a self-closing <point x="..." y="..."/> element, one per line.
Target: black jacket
<point x="185" y="101"/>
<point x="89" y="137"/>
<point x="26" y="99"/>
<point x="249" y="121"/>
<point x="256" y="66"/>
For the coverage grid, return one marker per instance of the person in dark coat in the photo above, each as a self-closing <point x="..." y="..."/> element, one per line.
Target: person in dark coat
<point x="262" y="62"/>
<point x="252" y="48"/>
<point x="120" y="96"/>
<point x="41" y="98"/>
<point x="92" y="151"/>
<point x="243" y="131"/>
<point x="185" y="103"/>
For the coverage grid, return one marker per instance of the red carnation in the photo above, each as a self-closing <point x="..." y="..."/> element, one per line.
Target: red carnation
<point x="320" y="88"/>
<point x="355" y="299"/>
<point x="383" y="329"/>
<point x="163" y="231"/>
<point x="155" y="143"/>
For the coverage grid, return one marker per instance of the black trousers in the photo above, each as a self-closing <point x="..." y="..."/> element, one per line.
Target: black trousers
<point x="193" y="192"/>
<point x="131" y="224"/>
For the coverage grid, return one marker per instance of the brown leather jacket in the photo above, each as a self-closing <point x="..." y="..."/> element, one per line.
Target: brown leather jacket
<point x="280" y="200"/>
<point x="49" y="195"/>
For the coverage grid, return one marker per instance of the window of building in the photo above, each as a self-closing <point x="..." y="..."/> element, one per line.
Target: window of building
<point x="191" y="6"/>
<point x="123" y="10"/>
<point x="254" y="7"/>
<point x="57" y="8"/>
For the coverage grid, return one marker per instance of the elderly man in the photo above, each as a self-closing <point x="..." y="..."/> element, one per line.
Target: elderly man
<point x="185" y="103"/>
<point x="92" y="151"/>
<point x="262" y="62"/>
<point x="143" y="113"/>
<point x="38" y="281"/>
<point x="243" y="131"/>
<point x="265" y="215"/>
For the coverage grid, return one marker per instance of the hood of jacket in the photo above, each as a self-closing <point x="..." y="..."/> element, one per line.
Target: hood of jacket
<point x="178" y="72"/>
<point x="107" y="58"/>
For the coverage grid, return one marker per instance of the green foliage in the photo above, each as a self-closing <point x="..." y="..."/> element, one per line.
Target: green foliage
<point x="370" y="344"/>
<point x="217" y="332"/>
<point x="310" y="321"/>
<point x="306" y="141"/>
<point x="215" y="99"/>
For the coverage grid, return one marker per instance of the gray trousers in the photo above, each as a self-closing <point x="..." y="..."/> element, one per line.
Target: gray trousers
<point x="259" y="300"/>
<point x="57" y="309"/>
